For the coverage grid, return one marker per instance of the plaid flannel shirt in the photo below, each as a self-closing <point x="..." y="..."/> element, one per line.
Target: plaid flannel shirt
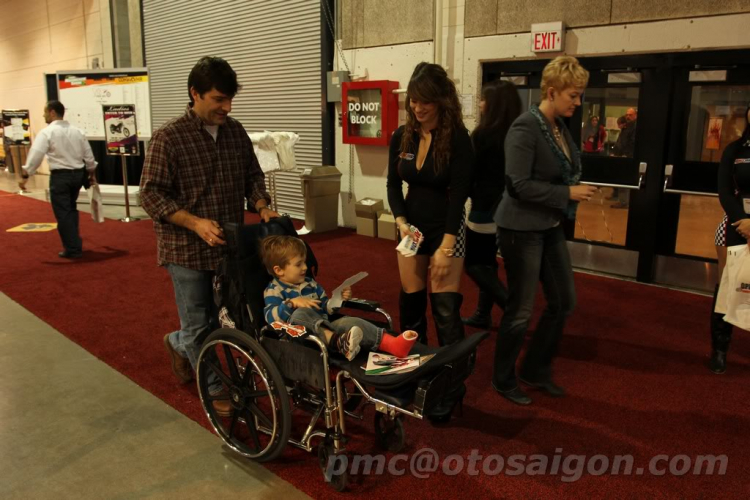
<point x="185" y="169"/>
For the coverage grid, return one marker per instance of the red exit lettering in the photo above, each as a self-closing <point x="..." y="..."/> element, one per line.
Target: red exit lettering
<point x="545" y="41"/>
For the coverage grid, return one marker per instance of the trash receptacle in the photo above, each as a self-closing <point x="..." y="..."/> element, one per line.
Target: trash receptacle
<point x="321" y="187"/>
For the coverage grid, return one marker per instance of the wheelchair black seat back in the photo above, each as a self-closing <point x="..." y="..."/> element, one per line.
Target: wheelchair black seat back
<point x="241" y="276"/>
<point x="265" y="374"/>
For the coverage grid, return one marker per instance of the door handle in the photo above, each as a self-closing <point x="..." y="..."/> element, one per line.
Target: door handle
<point x="642" y="168"/>
<point x="667" y="176"/>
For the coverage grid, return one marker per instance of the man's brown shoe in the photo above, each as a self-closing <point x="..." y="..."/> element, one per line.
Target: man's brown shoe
<point x="180" y="366"/>
<point x="222" y="407"/>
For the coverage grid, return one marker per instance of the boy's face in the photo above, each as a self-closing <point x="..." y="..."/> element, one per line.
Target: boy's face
<point x="293" y="272"/>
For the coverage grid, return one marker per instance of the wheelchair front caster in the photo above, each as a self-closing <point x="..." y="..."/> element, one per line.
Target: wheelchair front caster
<point x="336" y="478"/>
<point x="389" y="433"/>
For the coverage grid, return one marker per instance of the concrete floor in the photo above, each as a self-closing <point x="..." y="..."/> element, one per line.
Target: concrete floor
<point x="72" y="427"/>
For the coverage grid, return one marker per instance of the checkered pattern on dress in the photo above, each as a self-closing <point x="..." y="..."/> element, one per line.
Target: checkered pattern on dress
<point x="460" y="247"/>
<point x="720" y="238"/>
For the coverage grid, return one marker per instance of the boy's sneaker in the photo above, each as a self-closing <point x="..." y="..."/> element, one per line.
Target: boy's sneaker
<point x="347" y="343"/>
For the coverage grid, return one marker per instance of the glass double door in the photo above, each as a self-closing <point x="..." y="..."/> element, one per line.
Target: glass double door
<point x="651" y="130"/>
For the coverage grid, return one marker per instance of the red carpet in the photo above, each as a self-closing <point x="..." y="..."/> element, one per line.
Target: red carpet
<point x="633" y="361"/>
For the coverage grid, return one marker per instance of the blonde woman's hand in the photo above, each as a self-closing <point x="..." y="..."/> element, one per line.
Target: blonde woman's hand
<point x="582" y="192"/>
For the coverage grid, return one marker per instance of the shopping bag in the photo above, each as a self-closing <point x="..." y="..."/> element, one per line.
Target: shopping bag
<point x="737" y="288"/>
<point x="723" y="294"/>
<point x="95" y="199"/>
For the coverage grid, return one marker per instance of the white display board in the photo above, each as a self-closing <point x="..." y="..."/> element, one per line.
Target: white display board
<point x="84" y="92"/>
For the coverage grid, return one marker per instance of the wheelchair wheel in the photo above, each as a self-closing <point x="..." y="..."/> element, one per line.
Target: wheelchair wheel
<point x="259" y="417"/>
<point x="337" y="480"/>
<point x="389" y="433"/>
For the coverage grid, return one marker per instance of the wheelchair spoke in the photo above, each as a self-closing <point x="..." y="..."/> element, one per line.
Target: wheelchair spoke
<point x="230" y="362"/>
<point x="261" y="416"/>
<point x="219" y="373"/>
<point x="250" y="422"/>
<point x="235" y="419"/>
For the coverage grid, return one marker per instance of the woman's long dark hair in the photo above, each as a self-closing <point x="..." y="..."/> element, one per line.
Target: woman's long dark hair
<point x="590" y="129"/>
<point x="502" y="106"/>
<point x="430" y="84"/>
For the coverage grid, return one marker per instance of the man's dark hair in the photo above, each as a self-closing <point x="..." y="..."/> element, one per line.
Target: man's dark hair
<point x="57" y="107"/>
<point x="213" y="73"/>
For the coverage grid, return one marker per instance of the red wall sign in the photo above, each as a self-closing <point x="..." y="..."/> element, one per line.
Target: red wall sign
<point x="548" y="37"/>
<point x="370" y="112"/>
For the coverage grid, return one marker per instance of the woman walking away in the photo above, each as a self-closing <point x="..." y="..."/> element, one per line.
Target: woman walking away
<point x="499" y="107"/>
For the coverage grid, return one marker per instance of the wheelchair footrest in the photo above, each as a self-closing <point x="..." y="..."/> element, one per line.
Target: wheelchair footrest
<point x="401" y="397"/>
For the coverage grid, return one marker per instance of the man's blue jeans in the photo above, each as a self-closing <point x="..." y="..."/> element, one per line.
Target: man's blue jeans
<point x="193" y="292"/>
<point x="531" y="257"/>
<point x="314" y="322"/>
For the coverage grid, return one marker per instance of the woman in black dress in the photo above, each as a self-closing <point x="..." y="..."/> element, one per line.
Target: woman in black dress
<point x="499" y="107"/>
<point x="432" y="153"/>
<point x="734" y="194"/>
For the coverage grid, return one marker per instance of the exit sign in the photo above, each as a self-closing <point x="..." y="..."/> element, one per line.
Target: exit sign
<point x="548" y="37"/>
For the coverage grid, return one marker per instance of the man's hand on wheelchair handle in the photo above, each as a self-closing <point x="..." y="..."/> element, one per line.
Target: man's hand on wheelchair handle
<point x="209" y="231"/>
<point x="266" y="213"/>
<point x="299" y="302"/>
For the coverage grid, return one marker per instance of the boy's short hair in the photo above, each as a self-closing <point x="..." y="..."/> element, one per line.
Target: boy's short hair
<point x="279" y="250"/>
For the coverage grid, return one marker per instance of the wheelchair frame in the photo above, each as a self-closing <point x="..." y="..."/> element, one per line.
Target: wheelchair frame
<point x="302" y="374"/>
<point x="327" y="399"/>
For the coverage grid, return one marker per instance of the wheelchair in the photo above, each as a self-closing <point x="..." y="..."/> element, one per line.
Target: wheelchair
<point x="266" y="373"/>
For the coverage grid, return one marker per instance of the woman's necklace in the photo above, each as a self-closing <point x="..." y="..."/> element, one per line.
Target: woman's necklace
<point x="557" y="134"/>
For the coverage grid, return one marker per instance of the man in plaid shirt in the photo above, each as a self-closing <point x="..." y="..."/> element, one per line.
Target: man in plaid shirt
<point x="199" y="168"/>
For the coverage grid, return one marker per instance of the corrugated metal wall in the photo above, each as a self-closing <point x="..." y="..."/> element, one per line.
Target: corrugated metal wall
<point x="275" y="48"/>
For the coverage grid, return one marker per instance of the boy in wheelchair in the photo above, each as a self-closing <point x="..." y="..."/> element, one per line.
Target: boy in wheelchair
<point x="293" y="297"/>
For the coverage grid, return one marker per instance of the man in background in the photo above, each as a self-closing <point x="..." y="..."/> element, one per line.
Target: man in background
<point x="625" y="147"/>
<point x="71" y="164"/>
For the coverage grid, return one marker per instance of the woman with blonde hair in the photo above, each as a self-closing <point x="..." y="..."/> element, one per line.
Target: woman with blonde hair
<point x="543" y="169"/>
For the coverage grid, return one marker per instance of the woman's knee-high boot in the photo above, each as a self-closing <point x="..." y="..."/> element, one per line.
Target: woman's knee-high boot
<point x="446" y="311"/>
<point x="412" y="309"/>
<point x="721" y="335"/>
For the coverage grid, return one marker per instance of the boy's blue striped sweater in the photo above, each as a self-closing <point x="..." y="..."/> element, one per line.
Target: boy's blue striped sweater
<point x="277" y="292"/>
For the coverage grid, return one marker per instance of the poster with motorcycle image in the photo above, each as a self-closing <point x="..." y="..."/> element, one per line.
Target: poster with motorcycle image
<point x="120" y="129"/>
